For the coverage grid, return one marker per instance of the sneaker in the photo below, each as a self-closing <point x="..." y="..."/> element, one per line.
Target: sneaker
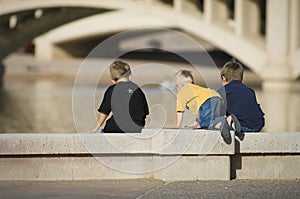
<point x="237" y="125"/>
<point x="225" y="130"/>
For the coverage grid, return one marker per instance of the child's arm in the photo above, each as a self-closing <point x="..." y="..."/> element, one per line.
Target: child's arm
<point x="102" y="117"/>
<point x="179" y="116"/>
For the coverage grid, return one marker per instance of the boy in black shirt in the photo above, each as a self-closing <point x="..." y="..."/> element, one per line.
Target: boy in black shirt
<point x="125" y="100"/>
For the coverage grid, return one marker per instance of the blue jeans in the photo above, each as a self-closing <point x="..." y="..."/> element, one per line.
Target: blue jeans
<point x="209" y="113"/>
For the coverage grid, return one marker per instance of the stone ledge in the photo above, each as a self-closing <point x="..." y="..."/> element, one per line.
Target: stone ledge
<point x="269" y="143"/>
<point x="267" y="156"/>
<point x="116" y="167"/>
<point x="150" y="141"/>
<point x="266" y="167"/>
<point x="166" y="154"/>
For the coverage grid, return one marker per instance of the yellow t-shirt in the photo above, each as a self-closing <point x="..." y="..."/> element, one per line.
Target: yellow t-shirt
<point x="193" y="96"/>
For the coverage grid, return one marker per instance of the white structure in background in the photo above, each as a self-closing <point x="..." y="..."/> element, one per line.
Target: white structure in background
<point x="274" y="55"/>
<point x="13" y="20"/>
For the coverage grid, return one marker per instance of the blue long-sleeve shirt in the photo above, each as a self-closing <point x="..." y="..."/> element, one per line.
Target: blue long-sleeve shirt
<point x="240" y="100"/>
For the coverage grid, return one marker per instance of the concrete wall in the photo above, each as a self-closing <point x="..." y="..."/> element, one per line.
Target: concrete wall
<point x="166" y="154"/>
<point x="267" y="156"/>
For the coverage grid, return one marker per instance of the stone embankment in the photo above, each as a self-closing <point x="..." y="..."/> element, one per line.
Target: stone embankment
<point x="165" y="154"/>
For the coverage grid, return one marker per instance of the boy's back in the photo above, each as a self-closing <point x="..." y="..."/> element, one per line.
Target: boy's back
<point x="125" y="100"/>
<point x="193" y="96"/>
<point x="241" y="101"/>
<point x="128" y="105"/>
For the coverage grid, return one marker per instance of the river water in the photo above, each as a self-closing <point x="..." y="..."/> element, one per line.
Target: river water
<point x="42" y="103"/>
<point x="46" y="104"/>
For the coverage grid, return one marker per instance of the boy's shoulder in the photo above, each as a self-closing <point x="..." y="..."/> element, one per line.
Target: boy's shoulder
<point x="235" y="84"/>
<point x="127" y="84"/>
<point x="110" y="88"/>
<point x="128" y="87"/>
<point x="197" y="87"/>
<point x="122" y="84"/>
<point x="239" y="86"/>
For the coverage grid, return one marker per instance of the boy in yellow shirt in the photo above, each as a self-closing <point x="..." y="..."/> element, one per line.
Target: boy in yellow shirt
<point x="205" y="103"/>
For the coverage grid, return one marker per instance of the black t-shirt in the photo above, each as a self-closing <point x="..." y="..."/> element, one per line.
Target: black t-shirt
<point x="128" y="105"/>
<point x="241" y="101"/>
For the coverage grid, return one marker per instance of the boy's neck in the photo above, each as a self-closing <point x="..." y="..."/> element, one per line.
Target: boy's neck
<point x="180" y="86"/>
<point x="225" y="83"/>
<point x="123" y="79"/>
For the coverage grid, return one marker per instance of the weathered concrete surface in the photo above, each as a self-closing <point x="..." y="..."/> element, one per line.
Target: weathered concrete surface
<point x="196" y="168"/>
<point x="152" y="141"/>
<point x="267" y="156"/>
<point x="267" y="167"/>
<point x="168" y="154"/>
<point x="116" y="167"/>
<point x="269" y="143"/>
<point x="165" y="154"/>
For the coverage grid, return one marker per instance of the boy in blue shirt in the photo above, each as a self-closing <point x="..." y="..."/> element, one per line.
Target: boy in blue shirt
<point x="243" y="112"/>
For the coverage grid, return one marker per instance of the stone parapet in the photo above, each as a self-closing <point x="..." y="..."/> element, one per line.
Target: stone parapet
<point x="150" y="141"/>
<point x="267" y="156"/>
<point x="269" y="143"/>
<point x="165" y="154"/>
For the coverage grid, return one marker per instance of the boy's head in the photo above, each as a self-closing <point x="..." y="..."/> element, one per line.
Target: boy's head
<point x="183" y="77"/>
<point x="232" y="71"/>
<point x="119" y="69"/>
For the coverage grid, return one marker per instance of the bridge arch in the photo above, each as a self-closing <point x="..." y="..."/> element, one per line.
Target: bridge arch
<point x="274" y="57"/>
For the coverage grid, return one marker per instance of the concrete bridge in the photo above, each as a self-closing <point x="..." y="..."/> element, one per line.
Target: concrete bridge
<point x="262" y="34"/>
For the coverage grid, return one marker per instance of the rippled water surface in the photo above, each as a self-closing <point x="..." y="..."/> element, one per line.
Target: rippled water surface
<point x="43" y="104"/>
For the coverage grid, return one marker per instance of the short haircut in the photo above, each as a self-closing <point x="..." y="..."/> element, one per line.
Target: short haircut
<point x="183" y="77"/>
<point x="119" y="69"/>
<point x="232" y="71"/>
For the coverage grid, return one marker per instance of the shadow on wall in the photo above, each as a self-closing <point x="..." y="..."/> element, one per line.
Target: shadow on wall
<point x="2" y="71"/>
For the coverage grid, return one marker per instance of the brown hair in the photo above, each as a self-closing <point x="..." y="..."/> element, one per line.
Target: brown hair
<point x="119" y="69"/>
<point x="183" y="77"/>
<point x="232" y="71"/>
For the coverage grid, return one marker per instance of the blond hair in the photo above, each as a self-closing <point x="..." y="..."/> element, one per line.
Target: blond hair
<point x="232" y="71"/>
<point x="119" y="69"/>
<point x="183" y="77"/>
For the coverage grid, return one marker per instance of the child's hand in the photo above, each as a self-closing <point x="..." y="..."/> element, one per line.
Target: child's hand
<point x="94" y="130"/>
<point x="193" y="125"/>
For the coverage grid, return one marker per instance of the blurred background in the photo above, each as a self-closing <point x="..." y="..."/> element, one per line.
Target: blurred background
<point x="54" y="57"/>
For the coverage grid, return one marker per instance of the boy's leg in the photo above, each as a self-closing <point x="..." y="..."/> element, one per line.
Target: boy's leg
<point x="204" y="114"/>
<point x="225" y="131"/>
<point x="234" y="123"/>
<point x="216" y="104"/>
<point x="209" y="113"/>
<point x="217" y="122"/>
